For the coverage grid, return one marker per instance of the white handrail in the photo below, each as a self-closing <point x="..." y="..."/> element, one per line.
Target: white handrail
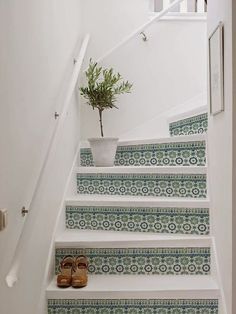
<point x="156" y="18"/>
<point x="12" y="276"/>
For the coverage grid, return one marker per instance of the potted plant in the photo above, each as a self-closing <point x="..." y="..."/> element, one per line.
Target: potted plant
<point x="103" y="87"/>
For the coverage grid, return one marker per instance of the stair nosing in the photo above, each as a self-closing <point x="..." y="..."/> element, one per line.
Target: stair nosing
<point x="141" y="201"/>
<point x="188" y="114"/>
<point x="128" y="287"/>
<point x="163" y="140"/>
<point x="183" y="170"/>
<point x="72" y="238"/>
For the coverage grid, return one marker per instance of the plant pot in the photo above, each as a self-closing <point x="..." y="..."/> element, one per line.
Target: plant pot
<point x="103" y="151"/>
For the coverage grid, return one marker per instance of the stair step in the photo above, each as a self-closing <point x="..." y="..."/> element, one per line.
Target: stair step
<point x="103" y="239"/>
<point x="112" y="287"/>
<point x="187" y="151"/>
<point x="135" y="254"/>
<point x="142" y="170"/>
<point x="139" y="201"/>
<point x="145" y="181"/>
<point x="193" y="125"/>
<point x="139" y="219"/>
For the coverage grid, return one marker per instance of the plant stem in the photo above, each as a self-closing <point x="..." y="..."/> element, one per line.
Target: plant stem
<point x="100" y="120"/>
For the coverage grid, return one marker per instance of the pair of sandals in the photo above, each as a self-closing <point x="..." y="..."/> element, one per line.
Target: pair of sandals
<point x="73" y="272"/>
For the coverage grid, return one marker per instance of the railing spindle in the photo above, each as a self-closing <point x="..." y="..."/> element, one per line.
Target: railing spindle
<point x="184" y="6"/>
<point x="200" y="6"/>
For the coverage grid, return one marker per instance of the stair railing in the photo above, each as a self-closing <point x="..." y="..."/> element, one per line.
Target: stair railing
<point x="195" y="6"/>
<point x="142" y="29"/>
<point x="26" y="233"/>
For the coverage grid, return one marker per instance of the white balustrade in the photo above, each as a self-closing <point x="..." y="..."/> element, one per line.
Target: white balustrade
<point x="184" y="7"/>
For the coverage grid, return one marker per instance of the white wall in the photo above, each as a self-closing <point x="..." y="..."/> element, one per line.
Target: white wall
<point x="38" y="39"/>
<point x="158" y="125"/>
<point x="109" y="21"/>
<point x="167" y="70"/>
<point x="220" y="154"/>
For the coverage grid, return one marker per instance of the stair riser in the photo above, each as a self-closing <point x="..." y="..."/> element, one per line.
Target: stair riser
<point x="156" y="220"/>
<point x="193" y="125"/>
<point x="169" y="154"/>
<point x="133" y="306"/>
<point x="142" y="261"/>
<point x="164" y="185"/>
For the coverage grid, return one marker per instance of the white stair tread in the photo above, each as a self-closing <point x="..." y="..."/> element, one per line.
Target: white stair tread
<point x="139" y="286"/>
<point x="143" y="170"/>
<point x="188" y="114"/>
<point x="112" y="239"/>
<point x="139" y="201"/>
<point x="164" y="140"/>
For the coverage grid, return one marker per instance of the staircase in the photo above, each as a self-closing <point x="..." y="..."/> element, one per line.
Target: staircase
<point x="145" y="227"/>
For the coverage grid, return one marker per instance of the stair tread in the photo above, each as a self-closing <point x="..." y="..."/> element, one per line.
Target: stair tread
<point x="163" y="140"/>
<point x="99" y="238"/>
<point x="188" y="115"/>
<point x="123" y="200"/>
<point x="143" y="170"/>
<point x="126" y="286"/>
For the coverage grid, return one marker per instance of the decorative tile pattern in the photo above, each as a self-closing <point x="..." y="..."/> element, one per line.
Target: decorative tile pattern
<point x="142" y="261"/>
<point x="193" y="125"/>
<point x="133" y="306"/>
<point x="166" y="154"/>
<point x="165" y="185"/>
<point x="158" y="220"/>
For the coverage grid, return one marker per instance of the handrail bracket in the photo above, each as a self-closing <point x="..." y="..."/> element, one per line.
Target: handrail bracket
<point x="144" y="36"/>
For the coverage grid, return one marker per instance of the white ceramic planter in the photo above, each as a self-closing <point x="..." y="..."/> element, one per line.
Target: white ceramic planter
<point x="103" y="151"/>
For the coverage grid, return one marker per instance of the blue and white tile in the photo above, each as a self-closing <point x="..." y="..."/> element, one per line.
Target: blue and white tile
<point x="142" y="261"/>
<point x="155" y="153"/>
<point x="197" y="124"/>
<point x="139" y="219"/>
<point x="138" y="306"/>
<point x="177" y="183"/>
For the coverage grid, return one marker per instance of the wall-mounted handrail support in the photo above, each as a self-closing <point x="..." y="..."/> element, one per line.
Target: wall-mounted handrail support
<point x="144" y="36"/>
<point x="141" y="29"/>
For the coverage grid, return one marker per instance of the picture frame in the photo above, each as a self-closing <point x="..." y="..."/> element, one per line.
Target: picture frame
<point x="216" y="70"/>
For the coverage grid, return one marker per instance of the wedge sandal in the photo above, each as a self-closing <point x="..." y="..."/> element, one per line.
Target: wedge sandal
<point x="80" y="272"/>
<point x="64" y="278"/>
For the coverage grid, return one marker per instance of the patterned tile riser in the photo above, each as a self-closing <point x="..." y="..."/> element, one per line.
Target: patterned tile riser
<point x="164" y="185"/>
<point x="193" y="125"/>
<point x="142" y="261"/>
<point x="171" y="154"/>
<point x="133" y="306"/>
<point x="156" y="220"/>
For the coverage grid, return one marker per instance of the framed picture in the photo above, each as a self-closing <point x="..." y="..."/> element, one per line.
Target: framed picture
<point x="216" y="70"/>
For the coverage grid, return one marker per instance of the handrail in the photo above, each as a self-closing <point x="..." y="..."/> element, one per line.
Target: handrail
<point x="12" y="276"/>
<point x="141" y="29"/>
